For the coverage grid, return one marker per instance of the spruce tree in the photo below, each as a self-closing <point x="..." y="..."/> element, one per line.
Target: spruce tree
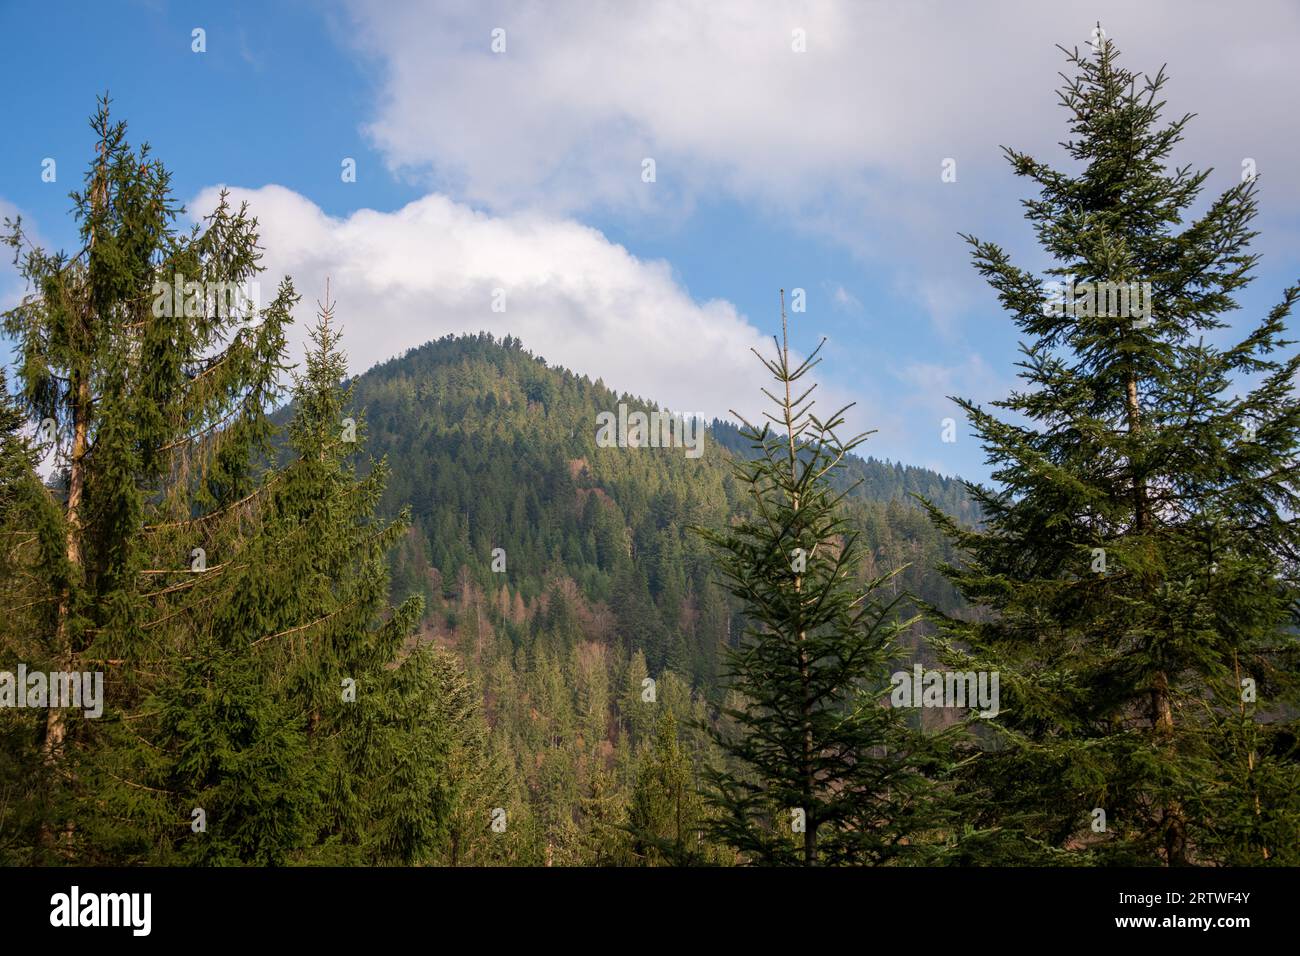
<point x="374" y="743"/>
<point x="820" y="771"/>
<point x="260" y="706"/>
<point x="606" y="841"/>
<point x="156" y="380"/>
<point x="31" y="538"/>
<point x="1134" y="578"/>
<point x="665" y="820"/>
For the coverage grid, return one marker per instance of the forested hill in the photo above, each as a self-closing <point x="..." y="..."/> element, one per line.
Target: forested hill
<point x="876" y="480"/>
<point x="492" y="448"/>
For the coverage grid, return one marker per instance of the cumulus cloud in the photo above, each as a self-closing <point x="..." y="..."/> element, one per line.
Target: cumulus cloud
<point x="845" y="140"/>
<point x="435" y="267"/>
<point x="718" y="93"/>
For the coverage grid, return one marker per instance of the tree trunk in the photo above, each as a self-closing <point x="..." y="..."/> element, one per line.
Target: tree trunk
<point x="56" y="727"/>
<point x="1162" y="715"/>
<point x="805" y="765"/>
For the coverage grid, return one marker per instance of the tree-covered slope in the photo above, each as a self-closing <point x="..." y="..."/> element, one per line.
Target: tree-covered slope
<point x="492" y="448"/>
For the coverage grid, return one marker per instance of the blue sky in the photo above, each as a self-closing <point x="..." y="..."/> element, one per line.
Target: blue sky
<point x="522" y="169"/>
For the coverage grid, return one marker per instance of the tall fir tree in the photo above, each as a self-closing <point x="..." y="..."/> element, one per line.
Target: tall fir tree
<point x="1135" y="575"/>
<point x="155" y="376"/>
<point x="259" y="704"/>
<point x="821" y="772"/>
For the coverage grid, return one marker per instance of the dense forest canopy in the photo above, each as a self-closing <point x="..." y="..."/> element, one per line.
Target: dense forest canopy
<point x="462" y="421"/>
<point x="432" y="615"/>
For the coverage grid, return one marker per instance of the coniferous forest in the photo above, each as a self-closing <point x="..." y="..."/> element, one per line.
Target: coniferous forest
<point x="463" y="608"/>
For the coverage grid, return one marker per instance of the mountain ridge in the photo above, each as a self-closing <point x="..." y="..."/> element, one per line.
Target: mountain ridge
<point x="494" y="452"/>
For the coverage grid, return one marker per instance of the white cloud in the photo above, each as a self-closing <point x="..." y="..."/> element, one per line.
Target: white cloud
<point x="431" y="268"/>
<point x="844" y="141"/>
<point x="715" y="92"/>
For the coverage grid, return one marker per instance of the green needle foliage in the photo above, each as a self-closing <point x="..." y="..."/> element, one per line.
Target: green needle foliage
<point x="815" y="747"/>
<point x="665" y="818"/>
<point x="261" y="706"/>
<point x="159" y="413"/>
<point x="1135" y="580"/>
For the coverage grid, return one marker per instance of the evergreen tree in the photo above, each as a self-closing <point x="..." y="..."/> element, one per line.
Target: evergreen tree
<point x="635" y="711"/>
<point x="466" y="783"/>
<point x="156" y="378"/>
<point x="665" y="818"/>
<point x="1135" y="576"/>
<point x="825" y="773"/>
<point x="605" y="838"/>
<point x="259" y="705"/>
<point x="31" y="536"/>
<point x="372" y="726"/>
